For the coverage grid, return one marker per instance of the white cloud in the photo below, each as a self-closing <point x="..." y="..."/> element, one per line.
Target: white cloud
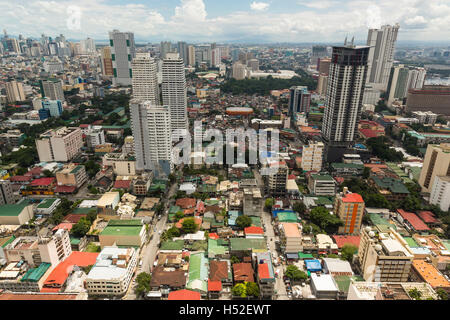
<point x="259" y="6"/>
<point x="318" y="4"/>
<point x="419" y="20"/>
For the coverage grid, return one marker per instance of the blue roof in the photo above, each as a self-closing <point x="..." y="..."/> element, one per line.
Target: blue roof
<point x="275" y="212"/>
<point x="313" y="265"/>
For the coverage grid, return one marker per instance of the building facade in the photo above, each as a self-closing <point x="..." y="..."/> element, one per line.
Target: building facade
<point x="61" y="144"/>
<point x="122" y="53"/>
<point x="145" y="81"/>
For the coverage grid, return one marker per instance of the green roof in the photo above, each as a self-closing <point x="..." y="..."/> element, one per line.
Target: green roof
<point x="12" y="210"/>
<point x="393" y="185"/>
<point x="302" y="255"/>
<point x="35" y="274"/>
<point x="122" y="230"/>
<point x="215" y="248"/>
<point x="237" y="244"/>
<point x="411" y="242"/>
<point x="378" y="220"/>
<point x="256" y="221"/>
<point x="175" y="209"/>
<point x="343" y="282"/>
<point x="446" y="243"/>
<point x="287" y="217"/>
<point x="47" y="203"/>
<point x="198" y="266"/>
<point x="7" y="240"/>
<point x="76" y="169"/>
<point x="321" y="201"/>
<point x="132" y="222"/>
<point x="74" y="241"/>
<point x="172" y="245"/>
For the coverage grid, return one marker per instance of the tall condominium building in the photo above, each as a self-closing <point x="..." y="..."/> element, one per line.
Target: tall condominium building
<point x="346" y="80"/>
<point x="52" y="89"/>
<point x="6" y="193"/>
<point x="436" y="163"/>
<point x="54" y="107"/>
<point x="151" y="127"/>
<point x="383" y="256"/>
<point x="183" y="51"/>
<point x="318" y="52"/>
<point x="276" y="181"/>
<point x="165" y="48"/>
<point x="61" y="144"/>
<point x="381" y="55"/>
<point x="174" y="92"/>
<point x="312" y="156"/>
<point x="191" y="56"/>
<point x="87" y="46"/>
<point x="239" y="71"/>
<point x="349" y="207"/>
<point x="299" y="100"/>
<point x="145" y="81"/>
<point x="402" y="79"/>
<point x="440" y="192"/>
<point x="107" y="65"/>
<point x="122" y="52"/>
<point x="14" y="91"/>
<point x="323" y="65"/>
<point x="435" y="98"/>
<point x="322" y="83"/>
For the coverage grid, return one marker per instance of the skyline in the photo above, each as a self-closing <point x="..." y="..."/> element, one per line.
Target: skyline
<point x="293" y="21"/>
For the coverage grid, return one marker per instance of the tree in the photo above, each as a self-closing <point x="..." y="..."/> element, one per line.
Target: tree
<point x="299" y="207"/>
<point x="412" y="203"/>
<point x="234" y="260"/>
<point x="347" y="252"/>
<point x="269" y="203"/>
<point x="48" y="173"/>
<point x="243" y="221"/>
<point x="189" y="225"/>
<point x="415" y="294"/>
<point x="143" y="283"/>
<point x="252" y="289"/>
<point x="81" y="228"/>
<point x="366" y="172"/>
<point x="91" y="216"/>
<point x="179" y="215"/>
<point x="294" y="273"/>
<point x="239" y="290"/>
<point x="173" y="233"/>
<point x="326" y="221"/>
<point x="443" y="295"/>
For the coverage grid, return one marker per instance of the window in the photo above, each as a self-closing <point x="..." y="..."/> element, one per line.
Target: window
<point x="111" y="42"/>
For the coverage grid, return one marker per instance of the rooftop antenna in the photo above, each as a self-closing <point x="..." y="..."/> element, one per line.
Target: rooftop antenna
<point x="353" y="40"/>
<point x="345" y="41"/>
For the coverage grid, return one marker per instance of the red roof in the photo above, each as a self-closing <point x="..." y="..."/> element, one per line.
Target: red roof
<point x="36" y="171"/>
<point x="352" y="197"/>
<point x="254" y="230"/>
<point x="428" y="217"/>
<point x="214" y="236"/>
<point x="214" y="285"/>
<point x="184" y="295"/>
<point x="186" y="203"/>
<point x="200" y="207"/>
<point x="368" y="133"/>
<point x="291" y="176"/>
<point x="42" y="182"/>
<point x="59" y="275"/>
<point x="263" y="271"/>
<point x="179" y="224"/>
<point x="65" y="189"/>
<point x="73" y="218"/>
<point x="243" y="272"/>
<point x="414" y="220"/>
<point x="122" y="184"/>
<point x="27" y="296"/>
<point x="342" y="240"/>
<point x="65" y="226"/>
<point x="84" y="126"/>
<point x="20" y="178"/>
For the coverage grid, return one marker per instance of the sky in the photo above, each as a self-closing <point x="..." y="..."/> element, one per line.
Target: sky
<point x="261" y="21"/>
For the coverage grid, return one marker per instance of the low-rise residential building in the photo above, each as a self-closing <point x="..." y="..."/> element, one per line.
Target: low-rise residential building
<point x="426" y="272"/>
<point x="312" y="156"/>
<point x="47" y="206"/>
<point x="111" y="275"/>
<point x="383" y="256"/>
<point x="122" y="164"/>
<point x="349" y="207"/>
<point x="323" y="286"/>
<point x="128" y="233"/>
<point x="291" y="237"/>
<point x="392" y="189"/>
<point x="12" y="138"/>
<point x="265" y="275"/>
<point x="253" y="202"/>
<point x="107" y="204"/>
<point x="61" y="144"/>
<point x="16" y="214"/>
<point x="337" y="267"/>
<point x="321" y="184"/>
<point x="361" y="290"/>
<point x="71" y="175"/>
